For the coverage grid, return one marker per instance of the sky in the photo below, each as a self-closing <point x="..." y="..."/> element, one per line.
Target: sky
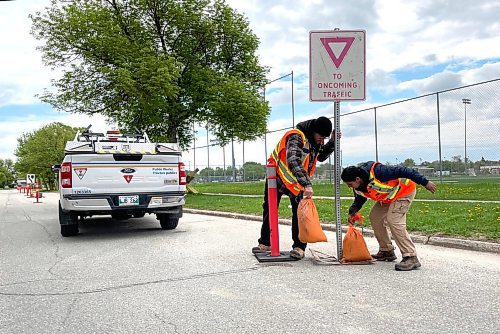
<point x="412" y="48"/>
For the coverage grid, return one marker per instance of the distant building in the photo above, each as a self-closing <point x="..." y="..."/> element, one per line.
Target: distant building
<point x="489" y="169"/>
<point x="444" y="173"/>
<point x="425" y="171"/>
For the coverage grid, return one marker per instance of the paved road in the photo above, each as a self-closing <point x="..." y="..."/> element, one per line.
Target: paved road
<point x="132" y="277"/>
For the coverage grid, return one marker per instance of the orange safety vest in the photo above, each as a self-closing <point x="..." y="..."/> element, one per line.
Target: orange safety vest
<point x="279" y="157"/>
<point x="387" y="192"/>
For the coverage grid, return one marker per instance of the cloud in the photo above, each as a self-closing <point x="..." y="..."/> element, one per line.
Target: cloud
<point x="438" y="44"/>
<point x="447" y="79"/>
<point x="20" y="63"/>
<point x="13" y="128"/>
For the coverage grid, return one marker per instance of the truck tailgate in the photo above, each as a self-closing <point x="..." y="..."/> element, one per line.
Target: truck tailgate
<point x="108" y="174"/>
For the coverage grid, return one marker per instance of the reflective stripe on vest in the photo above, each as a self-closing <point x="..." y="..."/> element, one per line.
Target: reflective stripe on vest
<point x="279" y="156"/>
<point x="389" y="191"/>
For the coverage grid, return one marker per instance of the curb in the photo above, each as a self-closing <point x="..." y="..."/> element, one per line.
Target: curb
<point x="474" y="245"/>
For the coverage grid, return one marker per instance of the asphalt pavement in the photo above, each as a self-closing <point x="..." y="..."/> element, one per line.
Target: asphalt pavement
<point x="132" y="277"/>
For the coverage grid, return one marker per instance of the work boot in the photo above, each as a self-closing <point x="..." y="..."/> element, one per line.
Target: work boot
<point x="261" y="248"/>
<point x="408" y="263"/>
<point x="385" y="256"/>
<point x="297" y="253"/>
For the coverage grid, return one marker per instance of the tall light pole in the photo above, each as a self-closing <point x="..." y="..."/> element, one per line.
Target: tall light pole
<point x="465" y="102"/>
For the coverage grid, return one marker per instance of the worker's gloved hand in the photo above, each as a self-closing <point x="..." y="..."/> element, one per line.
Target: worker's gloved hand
<point x="308" y="192"/>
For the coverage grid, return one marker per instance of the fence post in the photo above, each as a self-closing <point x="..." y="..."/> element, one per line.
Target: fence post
<point x="208" y="150"/>
<point x="194" y="148"/>
<point x="293" y="107"/>
<point x="439" y="140"/>
<point x="376" y="135"/>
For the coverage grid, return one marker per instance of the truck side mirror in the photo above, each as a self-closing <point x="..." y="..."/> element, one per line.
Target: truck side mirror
<point x="56" y="168"/>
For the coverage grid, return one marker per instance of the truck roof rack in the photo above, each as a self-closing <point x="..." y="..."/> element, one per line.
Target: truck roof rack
<point x="115" y="142"/>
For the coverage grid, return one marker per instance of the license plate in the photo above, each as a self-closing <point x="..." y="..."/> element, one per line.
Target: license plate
<point x="128" y="200"/>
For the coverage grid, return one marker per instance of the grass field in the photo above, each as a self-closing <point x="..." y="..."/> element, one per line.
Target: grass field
<point x="480" y="221"/>
<point x="463" y="190"/>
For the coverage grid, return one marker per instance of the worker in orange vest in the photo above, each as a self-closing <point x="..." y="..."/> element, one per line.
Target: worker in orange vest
<point x="295" y="156"/>
<point x="393" y="188"/>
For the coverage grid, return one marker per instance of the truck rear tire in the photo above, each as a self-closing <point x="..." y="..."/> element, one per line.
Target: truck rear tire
<point x="69" y="230"/>
<point x="69" y="223"/>
<point x="167" y="222"/>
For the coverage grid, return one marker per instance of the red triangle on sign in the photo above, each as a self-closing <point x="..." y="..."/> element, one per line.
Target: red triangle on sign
<point x="128" y="178"/>
<point x="326" y="43"/>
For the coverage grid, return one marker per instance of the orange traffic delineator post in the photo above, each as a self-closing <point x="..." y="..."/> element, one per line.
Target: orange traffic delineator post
<point x="272" y="199"/>
<point x="37" y="192"/>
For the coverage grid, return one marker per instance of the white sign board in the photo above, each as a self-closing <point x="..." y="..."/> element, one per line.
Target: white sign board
<point x="337" y="66"/>
<point x="30" y="178"/>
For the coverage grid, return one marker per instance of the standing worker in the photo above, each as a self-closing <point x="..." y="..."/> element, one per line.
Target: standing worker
<point x="295" y="156"/>
<point x="393" y="188"/>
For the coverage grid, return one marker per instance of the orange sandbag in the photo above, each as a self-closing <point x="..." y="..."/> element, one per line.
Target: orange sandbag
<point x="309" y="225"/>
<point x="354" y="247"/>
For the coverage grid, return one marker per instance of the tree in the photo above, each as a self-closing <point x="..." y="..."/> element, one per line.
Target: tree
<point x="409" y="162"/>
<point x="158" y="65"/>
<point x="6" y="173"/>
<point x="37" y="151"/>
<point x="254" y="171"/>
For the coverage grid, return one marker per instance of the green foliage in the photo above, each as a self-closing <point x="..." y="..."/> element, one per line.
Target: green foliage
<point x="6" y="172"/>
<point x="484" y="189"/>
<point x="254" y="171"/>
<point x="409" y="162"/>
<point x="156" y="65"/>
<point x="37" y="151"/>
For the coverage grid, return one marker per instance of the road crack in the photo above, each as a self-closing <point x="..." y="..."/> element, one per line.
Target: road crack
<point x="132" y="285"/>
<point x="68" y="314"/>
<point x="59" y="258"/>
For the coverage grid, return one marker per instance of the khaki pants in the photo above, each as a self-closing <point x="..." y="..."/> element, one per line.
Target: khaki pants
<point x="392" y="216"/>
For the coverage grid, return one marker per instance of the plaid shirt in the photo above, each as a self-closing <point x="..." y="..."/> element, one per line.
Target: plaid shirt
<point x="295" y="156"/>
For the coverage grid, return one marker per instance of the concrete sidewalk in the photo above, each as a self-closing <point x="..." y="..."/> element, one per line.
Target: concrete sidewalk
<point x="475" y="245"/>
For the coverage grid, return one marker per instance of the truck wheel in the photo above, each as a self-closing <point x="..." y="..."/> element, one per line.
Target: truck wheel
<point x="167" y="222"/>
<point x="69" y="223"/>
<point x="69" y="230"/>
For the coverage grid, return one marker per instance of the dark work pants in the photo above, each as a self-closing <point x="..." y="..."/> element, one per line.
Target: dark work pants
<point x="265" y="231"/>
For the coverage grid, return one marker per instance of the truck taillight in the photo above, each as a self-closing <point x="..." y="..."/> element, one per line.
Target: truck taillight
<point x="66" y="176"/>
<point x="182" y="174"/>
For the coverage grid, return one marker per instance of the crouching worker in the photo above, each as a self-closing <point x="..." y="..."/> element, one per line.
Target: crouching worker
<point x="295" y="156"/>
<point x="393" y="188"/>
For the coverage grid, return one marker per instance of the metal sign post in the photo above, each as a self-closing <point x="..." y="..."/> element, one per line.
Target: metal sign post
<point x="337" y="72"/>
<point x="336" y="161"/>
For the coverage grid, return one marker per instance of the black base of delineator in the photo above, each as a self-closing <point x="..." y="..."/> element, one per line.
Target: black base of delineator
<point x="266" y="257"/>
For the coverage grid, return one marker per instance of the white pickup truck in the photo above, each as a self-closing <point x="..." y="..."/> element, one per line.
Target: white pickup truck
<point x="121" y="175"/>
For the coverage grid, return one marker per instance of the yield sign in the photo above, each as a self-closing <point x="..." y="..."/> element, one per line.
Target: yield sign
<point x="128" y="178"/>
<point x="327" y="44"/>
<point x="337" y="65"/>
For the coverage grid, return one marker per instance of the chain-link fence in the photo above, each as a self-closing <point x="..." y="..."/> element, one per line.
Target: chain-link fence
<point x="451" y="133"/>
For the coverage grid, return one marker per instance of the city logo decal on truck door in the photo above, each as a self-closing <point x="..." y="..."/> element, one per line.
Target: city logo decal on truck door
<point x="80" y="172"/>
<point x="128" y="178"/>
